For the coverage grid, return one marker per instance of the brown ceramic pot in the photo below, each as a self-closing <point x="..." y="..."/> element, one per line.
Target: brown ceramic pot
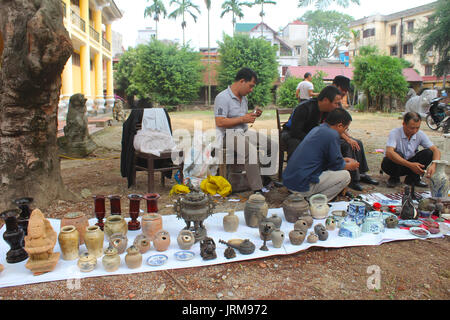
<point x="161" y="241"/>
<point x="296" y="237"/>
<point x="111" y="260"/>
<point x="295" y="206"/>
<point x="230" y="222"/>
<point x="143" y="243"/>
<point x="185" y="239"/>
<point x="69" y="240"/>
<point x="77" y="219"/>
<point x="255" y="210"/>
<point x="93" y="240"/>
<point x="87" y="262"/>
<point x="302" y="225"/>
<point x="118" y="241"/>
<point x="312" y="238"/>
<point x="133" y="259"/>
<point x="151" y="224"/>
<point x="115" y="224"/>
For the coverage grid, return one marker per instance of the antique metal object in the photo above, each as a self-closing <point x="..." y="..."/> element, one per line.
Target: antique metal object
<point x="245" y="247"/>
<point x="208" y="249"/>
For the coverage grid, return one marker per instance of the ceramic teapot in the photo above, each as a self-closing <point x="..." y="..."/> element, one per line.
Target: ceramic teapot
<point x="318" y="205"/>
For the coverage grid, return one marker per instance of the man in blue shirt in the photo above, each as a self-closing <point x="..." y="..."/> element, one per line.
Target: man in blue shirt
<point x="317" y="165"/>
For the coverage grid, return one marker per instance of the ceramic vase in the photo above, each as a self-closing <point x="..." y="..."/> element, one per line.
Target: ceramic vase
<point x="318" y="205"/>
<point x="230" y="222"/>
<point x="142" y="242"/>
<point x="185" y="239"/>
<point x="151" y="224"/>
<point x="439" y="181"/>
<point x="319" y="227"/>
<point x="118" y="241"/>
<point x="294" y="207"/>
<point x="301" y="224"/>
<point x="349" y="229"/>
<point x="25" y="212"/>
<point x="68" y="240"/>
<point x="99" y="210"/>
<point x="161" y="241"/>
<point x="265" y="229"/>
<point x="78" y="220"/>
<point x="152" y="202"/>
<point x="115" y="224"/>
<point x="296" y="237"/>
<point x="322" y="234"/>
<point x="330" y="223"/>
<point x="114" y="201"/>
<point x="277" y="237"/>
<point x="111" y="260"/>
<point x="312" y="238"/>
<point x="87" y="262"/>
<point x="93" y="240"/>
<point x="255" y="210"/>
<point x="133" y="258"/>
<point x="276" y="220"/>
<point x="14" y="237"/>
<point x="356" y="212"/>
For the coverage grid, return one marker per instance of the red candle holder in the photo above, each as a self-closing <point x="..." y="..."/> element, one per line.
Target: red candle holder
<point x="115" y="205"/>
<point x="99" y="209"/>
<point x="152" y="202"/>
<point x="135" y="201"/>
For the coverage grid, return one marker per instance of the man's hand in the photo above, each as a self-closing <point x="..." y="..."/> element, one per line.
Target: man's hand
<point x="417" y="167"/>
<point x="249" y="117"/>
<point x="431" y="170"/>
<point x="258" y="112"/>
<point x="353" y="143"/>
<point x="351" y="164"/>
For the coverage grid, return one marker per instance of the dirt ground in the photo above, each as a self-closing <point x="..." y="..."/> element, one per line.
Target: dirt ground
<point x="416" y="269"/>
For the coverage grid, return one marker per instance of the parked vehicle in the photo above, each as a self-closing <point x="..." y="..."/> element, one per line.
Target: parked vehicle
<point x="438" y="115"/>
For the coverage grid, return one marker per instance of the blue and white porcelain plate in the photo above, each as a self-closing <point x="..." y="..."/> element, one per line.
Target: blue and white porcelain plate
<point x="157" y="260"/>
<point x="184" y="255"/>
<point x="410" y="223"/>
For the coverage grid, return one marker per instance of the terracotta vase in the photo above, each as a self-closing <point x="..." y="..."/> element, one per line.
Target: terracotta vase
<point x="255" y="210"/>
<point x="118" y="241"/>
<point x="115" y="224"/>
<point x="277" y="237"/>
<point x="296" y="237"/>
<point x="161" y="241"/>
<point x="93" y="240"/>
<point x="133" y="258"/>
<point x="87" y="262"/>
<point x="111" y="260"/>
<point x="69" y="240"/>
<point x="143" y="243"/>
<point x="13" y="236"/>
<point x="230" y="222"/>
<point x="78" y="220"/>
<point x="185" y="239"/>
<point x="99" y="210"/>
<point x="151" y="224"/>
<point x="439" y="181"/>
<point x="152" y="202"/>
<point x="295" y="206"/>
<point x="301" y="224"/>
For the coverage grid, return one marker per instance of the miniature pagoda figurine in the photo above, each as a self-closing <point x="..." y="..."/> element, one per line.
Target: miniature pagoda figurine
<point x="39" y="244"/>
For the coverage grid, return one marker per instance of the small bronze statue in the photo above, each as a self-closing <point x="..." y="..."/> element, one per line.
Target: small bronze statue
<point x="265" y="233"/>
<point x="208" y="249"/>
<point x="229" y="253"/>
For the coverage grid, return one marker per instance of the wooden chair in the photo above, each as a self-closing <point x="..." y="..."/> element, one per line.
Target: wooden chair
<point x="150" y="159"/>
<point x="282" y="146"/>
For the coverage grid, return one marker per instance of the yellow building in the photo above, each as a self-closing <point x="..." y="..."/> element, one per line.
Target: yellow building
<point x="394" y="35"/>
<point x="90" y="68"/>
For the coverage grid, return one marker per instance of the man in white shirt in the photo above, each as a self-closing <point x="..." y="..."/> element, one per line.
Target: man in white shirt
<point x="403" y="158"/>
<point x="305" y="89"/>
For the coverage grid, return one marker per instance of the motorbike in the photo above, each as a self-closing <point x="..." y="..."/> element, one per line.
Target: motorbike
<point x="438" y="116"/>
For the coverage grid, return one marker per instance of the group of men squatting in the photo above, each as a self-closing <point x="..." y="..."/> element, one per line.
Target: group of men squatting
<point x="322" y="156"/>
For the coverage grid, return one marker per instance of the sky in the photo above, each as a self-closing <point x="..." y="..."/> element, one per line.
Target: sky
<point x="277" y="17"/>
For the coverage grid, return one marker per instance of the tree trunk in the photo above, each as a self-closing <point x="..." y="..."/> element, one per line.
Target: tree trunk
<point x="36" y="46"/>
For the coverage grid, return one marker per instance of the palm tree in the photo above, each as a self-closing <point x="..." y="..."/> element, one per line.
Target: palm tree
<point x="184" y="6"/>
<point x="262" y="13"/>
<point x="321" y="4"/>
<point x="156" y="9"/>
<point x="208" y="6"/>
<point x="234" y="6"/>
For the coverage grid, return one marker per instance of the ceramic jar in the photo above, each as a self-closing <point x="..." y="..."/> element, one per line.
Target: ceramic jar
<point x="230" y="222"/>
<point x="322" y="234"/>
<point x="69" y="240"/>
<point x="78" y="220"/>
<point x="294" y="207"/>
<point x="319" y="227"/>
<point x="133" y="259"/>
<point x="115" y="224"/>
<point x="142" y="242"/>
<point x="296" y="237"/>
<point x="318" y="206"/>
<point x="111" y="260"/>
<point x="277" y="238"/>
<point x="391" y="222"/>
<point x="301" y="224"/>
<point x="265" y="229"/>
<point x="276" y="220"/>
<point x="349" y="229"/>
<point x="93" y="239"/>
<point x="186" y="239"/>
<point x="118" y="241"/>
<point x="330" y="223"/>
<point x="312" y="238"/>
<point x="87" y="262"/>
<point x="151" y="224"/>
<point x="373" y="223"/>
<point x="161" y="241"/>
<point x="255" y="210"/>
<point x="356" y="211"/>
<point x="439" y="181"/>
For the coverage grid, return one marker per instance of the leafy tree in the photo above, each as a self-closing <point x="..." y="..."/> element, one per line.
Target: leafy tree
<point x="317" y="80"/>
<point x="286" y="92"/>
<point x="124" y="71"/>
<point x="161" y="72"/>
<point x="327" y="31"/>
<point x="234" y="6"/>
<point x="435" y="36"/>
<point x="378" y="76"/>
<point x="156" y="9"/>
<point x="321" y="4"/>
<point x="184" y="6"/>
<point x="242" y="51"/>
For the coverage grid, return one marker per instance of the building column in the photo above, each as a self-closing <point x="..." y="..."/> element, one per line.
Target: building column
<point x="109" y="72"/>
<point x="66" y="90"/>
<point x="86" y="76"/>
<point x="99" y="98"/>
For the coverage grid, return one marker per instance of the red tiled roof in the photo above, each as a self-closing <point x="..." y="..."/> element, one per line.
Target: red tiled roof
<point x="298" y="22"/>
<point x="411" y="75"/>
<point x="434" y="78"/>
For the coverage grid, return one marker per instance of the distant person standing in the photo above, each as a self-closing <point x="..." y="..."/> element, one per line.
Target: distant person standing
<point x="305" y="89"/>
